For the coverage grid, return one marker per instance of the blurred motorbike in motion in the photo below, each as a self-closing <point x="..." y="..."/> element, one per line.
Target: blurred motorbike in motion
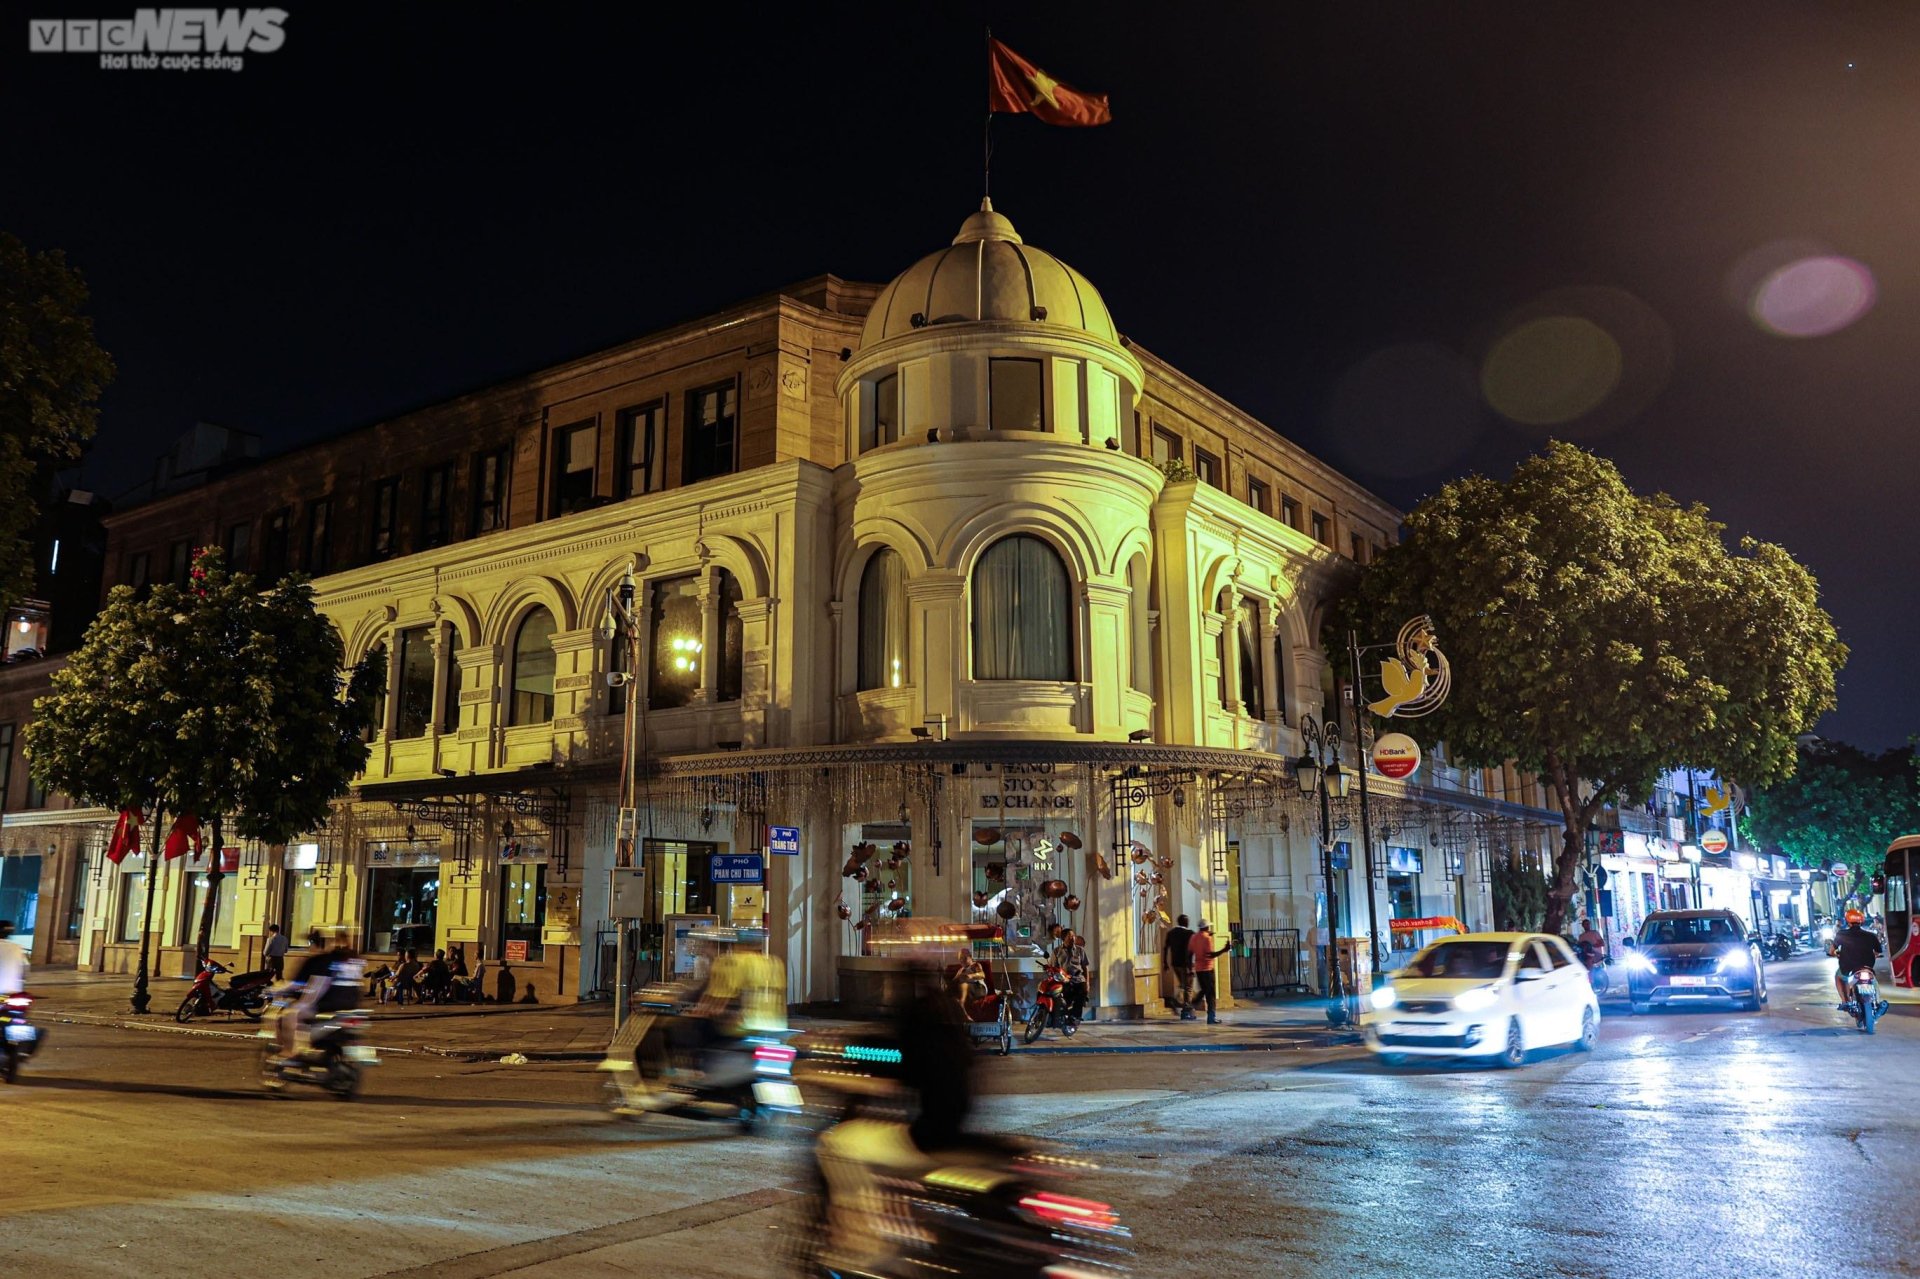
<point x="18" y="1036"/>
<point x="903" y="1189"/>
<point x="712" y="1047"/>
<point x="334" y="1058"/>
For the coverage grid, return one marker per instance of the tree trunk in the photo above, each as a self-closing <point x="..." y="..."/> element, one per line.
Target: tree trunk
<point x="141" y="999"/>
<point x="212" y="905"/>
<point x="1573" y="847"/>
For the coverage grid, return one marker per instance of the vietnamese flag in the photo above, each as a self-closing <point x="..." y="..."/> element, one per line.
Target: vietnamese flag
<point x="1015" y="85"/>
<point x="186" y="830"/>
<point x="126" y="836"/>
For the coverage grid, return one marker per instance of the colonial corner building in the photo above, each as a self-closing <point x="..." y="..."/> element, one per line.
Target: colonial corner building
<point x="947" y="568"/>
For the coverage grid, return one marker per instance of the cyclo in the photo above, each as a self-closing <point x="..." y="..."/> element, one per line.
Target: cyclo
<point x="711" y="1047"/>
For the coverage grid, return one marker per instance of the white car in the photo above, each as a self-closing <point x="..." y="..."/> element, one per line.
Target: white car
<point x="1496" y="995"/>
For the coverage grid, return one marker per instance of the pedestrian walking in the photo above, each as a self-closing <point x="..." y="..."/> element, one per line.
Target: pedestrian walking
<point x="1176" y="952"/>
<point x="1203" y="956"/>
<point x="274" y="955"/>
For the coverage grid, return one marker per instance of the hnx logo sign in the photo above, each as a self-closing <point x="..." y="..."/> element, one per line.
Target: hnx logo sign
<point x="164" y="39"/>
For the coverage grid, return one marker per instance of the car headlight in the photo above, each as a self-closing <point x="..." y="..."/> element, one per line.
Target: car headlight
<point x="1735" y="961"/>
<point x="1382" y="998"/>
<point x="1639" y="963"/>
<point x="1479" y="997"/>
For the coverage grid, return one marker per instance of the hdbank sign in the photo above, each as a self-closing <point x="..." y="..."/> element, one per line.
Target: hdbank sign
<point x="164" y="39"/>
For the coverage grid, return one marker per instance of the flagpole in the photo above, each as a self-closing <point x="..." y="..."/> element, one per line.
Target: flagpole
<point x="986" y="133"/>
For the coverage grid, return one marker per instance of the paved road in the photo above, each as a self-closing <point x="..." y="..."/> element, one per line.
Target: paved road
<point x="1709" y="1144"/>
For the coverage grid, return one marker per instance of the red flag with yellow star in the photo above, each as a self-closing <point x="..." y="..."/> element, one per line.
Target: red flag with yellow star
<point x="1015" y="85"/>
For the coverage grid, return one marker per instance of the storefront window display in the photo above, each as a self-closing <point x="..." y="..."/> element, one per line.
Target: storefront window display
<point x="523" y="906"/>
<point x="403" y="906"/>
<point x="1028" y="865"/>
<point x="133" y="905"/>
<point x="197" y="888"/>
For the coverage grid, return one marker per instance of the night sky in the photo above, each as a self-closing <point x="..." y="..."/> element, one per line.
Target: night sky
<point x="1357" y="221"/>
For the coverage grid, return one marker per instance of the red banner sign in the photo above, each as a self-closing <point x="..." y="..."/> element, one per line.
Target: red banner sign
<point x="1426" y="922"/>
<point x="516" y="952"/>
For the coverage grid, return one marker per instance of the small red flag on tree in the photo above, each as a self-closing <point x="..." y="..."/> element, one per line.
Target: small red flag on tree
<point x="1016" y="85"/>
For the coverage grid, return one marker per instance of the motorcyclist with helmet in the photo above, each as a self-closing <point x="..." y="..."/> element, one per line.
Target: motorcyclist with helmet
<point x="1855" y="948"/>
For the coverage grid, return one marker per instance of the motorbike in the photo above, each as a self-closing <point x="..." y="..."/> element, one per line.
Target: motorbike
<point x="334" y="1058"/>
<point x="746" y="1082"/>
<point x="247" y="993"/>
<point x="1863" y="999"/>
<point x="19" y="1038"/>
<point x="1051" y="1006"/>
<point x="884" y="1208"/>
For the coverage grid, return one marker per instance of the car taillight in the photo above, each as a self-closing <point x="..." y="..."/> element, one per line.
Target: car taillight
<point x="1064" y="1210"/>
<point x="353" y="1023"/>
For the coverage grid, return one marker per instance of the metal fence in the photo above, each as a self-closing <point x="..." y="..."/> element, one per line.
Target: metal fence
<point x="1269" y="962"/>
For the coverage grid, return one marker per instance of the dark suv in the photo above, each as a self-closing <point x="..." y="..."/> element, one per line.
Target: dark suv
<point x="1692" y="956"/>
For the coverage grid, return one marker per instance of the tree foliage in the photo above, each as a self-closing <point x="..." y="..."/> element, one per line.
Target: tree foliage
<point x="214" y="699"/>
<point x="51" y="373"/>
<point x="1598" y="637"/>
<point x="1841" y="804"/>
<point x="1519" y="890"/>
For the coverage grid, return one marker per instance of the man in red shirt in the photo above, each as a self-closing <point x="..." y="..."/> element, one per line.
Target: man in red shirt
<point x="1203" y="956"/>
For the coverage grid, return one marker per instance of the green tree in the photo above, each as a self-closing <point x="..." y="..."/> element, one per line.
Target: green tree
<point x="1519" y="887"/>
<point x="1598" y="637"/>
<point x="1841" y="804"/>
<point x="51" y="373"/>
<point x="215" y="700"/>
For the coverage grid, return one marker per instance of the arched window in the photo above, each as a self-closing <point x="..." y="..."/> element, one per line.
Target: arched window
<point x="733" y="634"/>
<point x="883" y="621"/>
<point x="450" y="708"/>
<point x="1140" y="649"/>
<point x="377" y="656"/>
<point x="1022" y="625"/>
<point x="1253" y="694"/>
<point x="1220" y="649"/>
<point x="532" y="683"/>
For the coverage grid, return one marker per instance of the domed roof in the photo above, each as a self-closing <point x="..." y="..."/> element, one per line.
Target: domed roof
<point x="988" y="273"/>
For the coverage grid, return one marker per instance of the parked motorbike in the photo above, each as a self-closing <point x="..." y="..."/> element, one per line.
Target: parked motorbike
<point x="745" y="1082"/>
<point x="334" y="1058"/>
<point x="1863" y="999"/>
<point x="886" y="1209"/>
<point x="19" y="1038"/>
<point x="1778" y="946"/>
<point x="1051" y="1006"/>
<point x="248" y="993"/>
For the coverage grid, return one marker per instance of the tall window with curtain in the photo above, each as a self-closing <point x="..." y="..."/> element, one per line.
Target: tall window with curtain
<point x="731" y="675"/>
<point x="1022" y="621"/>
<point x="1253" y="692"/>
<point x="533" y="664"/>
<point x="1280" y="659"/>
<point x="1140" y="647"/>
<point x="883" y="621"/>
<point x="450" y="708"/>
<point x="1225" y="605"/>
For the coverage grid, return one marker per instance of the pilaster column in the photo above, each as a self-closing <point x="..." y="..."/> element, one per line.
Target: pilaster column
<point x="1274" y="712"/>
<point x="756" y="674"/>
<point x="710" y="655"/>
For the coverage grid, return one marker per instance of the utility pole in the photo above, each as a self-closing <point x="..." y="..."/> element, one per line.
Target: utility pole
<point x="1362" y="763"/>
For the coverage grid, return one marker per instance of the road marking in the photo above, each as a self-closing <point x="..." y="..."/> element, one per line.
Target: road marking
<point x="520" y="1256"/>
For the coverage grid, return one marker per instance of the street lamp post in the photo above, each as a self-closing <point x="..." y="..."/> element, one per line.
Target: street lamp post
<point x="620" y="620"/>
<point x="1318" y="773"/>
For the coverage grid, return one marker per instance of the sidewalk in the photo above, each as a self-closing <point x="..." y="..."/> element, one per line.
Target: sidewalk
<point x="579" y="1032"/>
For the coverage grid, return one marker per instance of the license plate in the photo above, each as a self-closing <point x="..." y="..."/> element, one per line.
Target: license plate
<point x="1689" y="981"/>
<point x="363" y="1054"/>
<point x="777" y="1095"/>
<point x="17" y="1034"/>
